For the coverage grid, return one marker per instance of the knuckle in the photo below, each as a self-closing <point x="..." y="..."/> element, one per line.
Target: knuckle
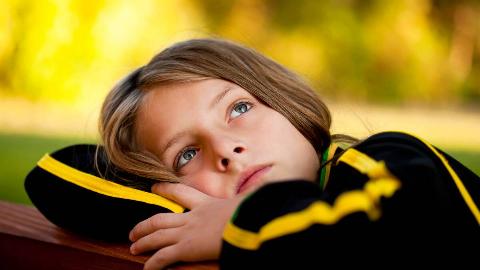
<point x="155" y="221"/>
<point x="158" y="236"/>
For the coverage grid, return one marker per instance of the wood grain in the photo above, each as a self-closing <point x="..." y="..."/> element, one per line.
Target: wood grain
<point x="29" y="241"/>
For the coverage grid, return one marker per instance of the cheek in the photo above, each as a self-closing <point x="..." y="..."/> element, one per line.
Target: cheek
<point x="274" y="127"/>
<point x="295" y="152"/>
<point x="197" y="181"/>
<point x="205" y="182"/>
<point x="261" y="123"/>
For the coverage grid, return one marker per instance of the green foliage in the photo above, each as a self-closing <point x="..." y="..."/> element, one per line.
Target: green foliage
<point x="19" y="155"/>
<point x="468" y="158"/>
<point x="76" y="50"/>
<point x="424" y="51"/>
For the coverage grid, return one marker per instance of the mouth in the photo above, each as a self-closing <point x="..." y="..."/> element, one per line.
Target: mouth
<point x="251" y="177"/>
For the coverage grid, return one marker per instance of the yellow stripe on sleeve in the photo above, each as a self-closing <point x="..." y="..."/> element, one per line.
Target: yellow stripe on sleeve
<point x="366" y="200"/>
<point x="102" y="186"/>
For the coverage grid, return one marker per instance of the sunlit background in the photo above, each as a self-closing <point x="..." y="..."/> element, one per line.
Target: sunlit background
<point x="410" y="65"/>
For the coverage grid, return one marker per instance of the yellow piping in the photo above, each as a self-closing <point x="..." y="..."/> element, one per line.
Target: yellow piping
<point x="366" y="200"/>
<point x="103" y="186"/>
<point x="463" y="191"/>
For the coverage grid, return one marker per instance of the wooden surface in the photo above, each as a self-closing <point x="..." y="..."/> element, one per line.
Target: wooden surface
<point x="29" y="241"/>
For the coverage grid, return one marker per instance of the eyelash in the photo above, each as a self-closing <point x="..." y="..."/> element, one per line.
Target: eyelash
<point x="231" y="108"/>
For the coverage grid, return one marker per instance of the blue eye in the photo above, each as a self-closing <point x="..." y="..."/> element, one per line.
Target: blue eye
<point x="241" y="107"/>
<point x="188" y="154"/>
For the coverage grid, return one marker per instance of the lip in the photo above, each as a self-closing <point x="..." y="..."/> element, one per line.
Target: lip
<point x="251" y="175"/>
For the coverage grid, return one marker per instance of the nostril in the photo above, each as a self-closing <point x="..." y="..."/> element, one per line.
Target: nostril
<point x="237" y="150"/>
<point x="225" y="162"/>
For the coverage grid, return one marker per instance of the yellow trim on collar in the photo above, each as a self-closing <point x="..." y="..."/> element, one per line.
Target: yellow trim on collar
<point x="102" y="186"/>
<point x="331" y="153"/>
<point x="365" y="164"/>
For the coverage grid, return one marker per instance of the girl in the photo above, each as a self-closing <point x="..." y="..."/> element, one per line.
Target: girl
<point x="215" y="121"/>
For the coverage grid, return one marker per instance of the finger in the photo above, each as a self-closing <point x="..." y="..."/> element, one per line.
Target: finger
<point x="158" y="221"/>
<point x="162" y="258"/>
<point x="182" y="194"/>
<point x="157" y="240"/>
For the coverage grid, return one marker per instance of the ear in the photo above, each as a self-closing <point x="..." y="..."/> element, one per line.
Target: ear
<point x="68" y="190"/>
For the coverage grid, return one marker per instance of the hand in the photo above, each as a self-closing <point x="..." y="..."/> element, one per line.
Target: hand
<point x="187" y="237"/>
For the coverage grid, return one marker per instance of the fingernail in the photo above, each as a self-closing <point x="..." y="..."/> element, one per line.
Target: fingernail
<point x="132" y="249"/>
<point x="130" y="236"/>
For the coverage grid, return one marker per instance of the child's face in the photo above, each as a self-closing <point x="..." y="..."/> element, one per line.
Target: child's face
<point x="222" y="140"/>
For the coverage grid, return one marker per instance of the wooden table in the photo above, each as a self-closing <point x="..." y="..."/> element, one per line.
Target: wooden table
<point x="29" y="241"/>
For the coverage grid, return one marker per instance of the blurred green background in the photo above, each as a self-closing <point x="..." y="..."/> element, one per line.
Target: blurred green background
<point x="410" y="65"/>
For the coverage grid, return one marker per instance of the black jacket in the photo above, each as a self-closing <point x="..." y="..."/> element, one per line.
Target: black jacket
<point x="392" y="196"/>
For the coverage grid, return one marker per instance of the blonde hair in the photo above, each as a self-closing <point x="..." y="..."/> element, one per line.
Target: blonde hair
<point x="197" y="59"/>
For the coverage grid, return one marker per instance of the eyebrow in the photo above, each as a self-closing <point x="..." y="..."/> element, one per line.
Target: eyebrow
<point x="180" y="134"/>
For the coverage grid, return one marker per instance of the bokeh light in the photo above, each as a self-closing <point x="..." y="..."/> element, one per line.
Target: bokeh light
<point x="409" y="65"/>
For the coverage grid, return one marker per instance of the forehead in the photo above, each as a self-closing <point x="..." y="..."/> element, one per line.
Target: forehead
<point x="167" y="109"/>
<point x="182" y="97"/>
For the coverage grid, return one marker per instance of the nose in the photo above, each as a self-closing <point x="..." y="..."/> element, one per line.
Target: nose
<point x="226" y="160"/>
<point x="224" y="148"/>
<point x="226" y="152"/>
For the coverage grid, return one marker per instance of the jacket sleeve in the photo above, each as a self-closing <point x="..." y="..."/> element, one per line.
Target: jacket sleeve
<point x="390" y="191"/>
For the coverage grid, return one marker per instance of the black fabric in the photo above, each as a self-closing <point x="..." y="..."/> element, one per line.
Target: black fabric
<point x="84" y="211"/>
<point x="426" y="220"/>
<point x="428" y="189"/>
